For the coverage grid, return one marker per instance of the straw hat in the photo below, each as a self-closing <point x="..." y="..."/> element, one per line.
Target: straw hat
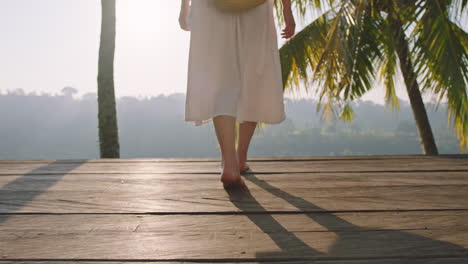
<point x="237" y="5"/>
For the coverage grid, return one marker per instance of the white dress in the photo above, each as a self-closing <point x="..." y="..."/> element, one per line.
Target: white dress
<point x="234" y="66"/>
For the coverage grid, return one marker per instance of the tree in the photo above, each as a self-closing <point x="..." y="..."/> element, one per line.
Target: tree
<point x="69" y="91"/>
<point x="107" y="114"/>
<point x="354" y="43"/>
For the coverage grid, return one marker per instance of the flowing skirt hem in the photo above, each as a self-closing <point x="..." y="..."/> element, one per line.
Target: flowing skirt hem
<point x="202" y="121"/>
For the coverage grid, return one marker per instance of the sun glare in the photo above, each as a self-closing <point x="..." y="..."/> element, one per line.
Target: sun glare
<point x="142" y="16"/>
<point x="148" y="40"/>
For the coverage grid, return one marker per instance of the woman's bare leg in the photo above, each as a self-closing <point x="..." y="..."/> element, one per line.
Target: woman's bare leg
<point x="225" y="132"/>
<point x="246" y="131"/>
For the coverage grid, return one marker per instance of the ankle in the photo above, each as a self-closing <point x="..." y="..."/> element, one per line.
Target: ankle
<point x="242" y="154"/>
<point x="231" y="171"/>
<point x="231" y="163"/>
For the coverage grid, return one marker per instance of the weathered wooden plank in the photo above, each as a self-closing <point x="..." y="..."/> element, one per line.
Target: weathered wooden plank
<point x="214" y="167"/>
<point x="205" y="202"/>
<point x="312" y="222"/>
<point x="273" y="159"/>
<point x="81" y="194"/>
<point x="295" y="180"/>
<point x="423" y="260"/>
<point x="236" y="244"/>
<point x="213" y="198"/>
<point x="440" y="164"/>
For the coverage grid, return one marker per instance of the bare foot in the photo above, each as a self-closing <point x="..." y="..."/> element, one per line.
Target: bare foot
<point x="230" y="179"/>
<point x="242" y="163"/>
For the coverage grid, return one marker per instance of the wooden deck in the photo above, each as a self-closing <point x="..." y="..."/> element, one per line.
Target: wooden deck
<point x="359" y="210"/>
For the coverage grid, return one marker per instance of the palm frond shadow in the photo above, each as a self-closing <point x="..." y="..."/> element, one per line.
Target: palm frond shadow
<point x="352" y="241"/>
<point x="19" y="192"/>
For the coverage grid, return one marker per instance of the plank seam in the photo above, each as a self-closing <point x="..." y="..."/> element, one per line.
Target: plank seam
<point x="243" y="212"/>
<point x="286" y="172"/>
<point x="243" y="260"/>
<point x="254" y="159"/>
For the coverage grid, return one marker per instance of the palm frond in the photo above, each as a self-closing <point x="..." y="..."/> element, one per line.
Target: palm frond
<point x="350" y="44"/>
<point x="388" y="63"/>
<point x="336" y="51"/>
<point x="302" y="52"/>
<point x="441" y="60"/>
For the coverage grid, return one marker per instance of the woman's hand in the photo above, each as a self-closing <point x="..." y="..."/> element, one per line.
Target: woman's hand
<point x="184" y="14"/>
<point x="290" y="28"/>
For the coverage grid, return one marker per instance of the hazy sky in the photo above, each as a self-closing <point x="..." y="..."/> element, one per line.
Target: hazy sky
<point x="49" y="44"/>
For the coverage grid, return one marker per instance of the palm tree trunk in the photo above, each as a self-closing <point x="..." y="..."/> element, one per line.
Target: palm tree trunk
<point x="419" y="110"/>
<point x="108" y="131"/>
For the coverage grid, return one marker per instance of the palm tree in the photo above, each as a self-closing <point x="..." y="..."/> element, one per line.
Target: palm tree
<point x="354" y="43"/>
<point x="108" y="131"/>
